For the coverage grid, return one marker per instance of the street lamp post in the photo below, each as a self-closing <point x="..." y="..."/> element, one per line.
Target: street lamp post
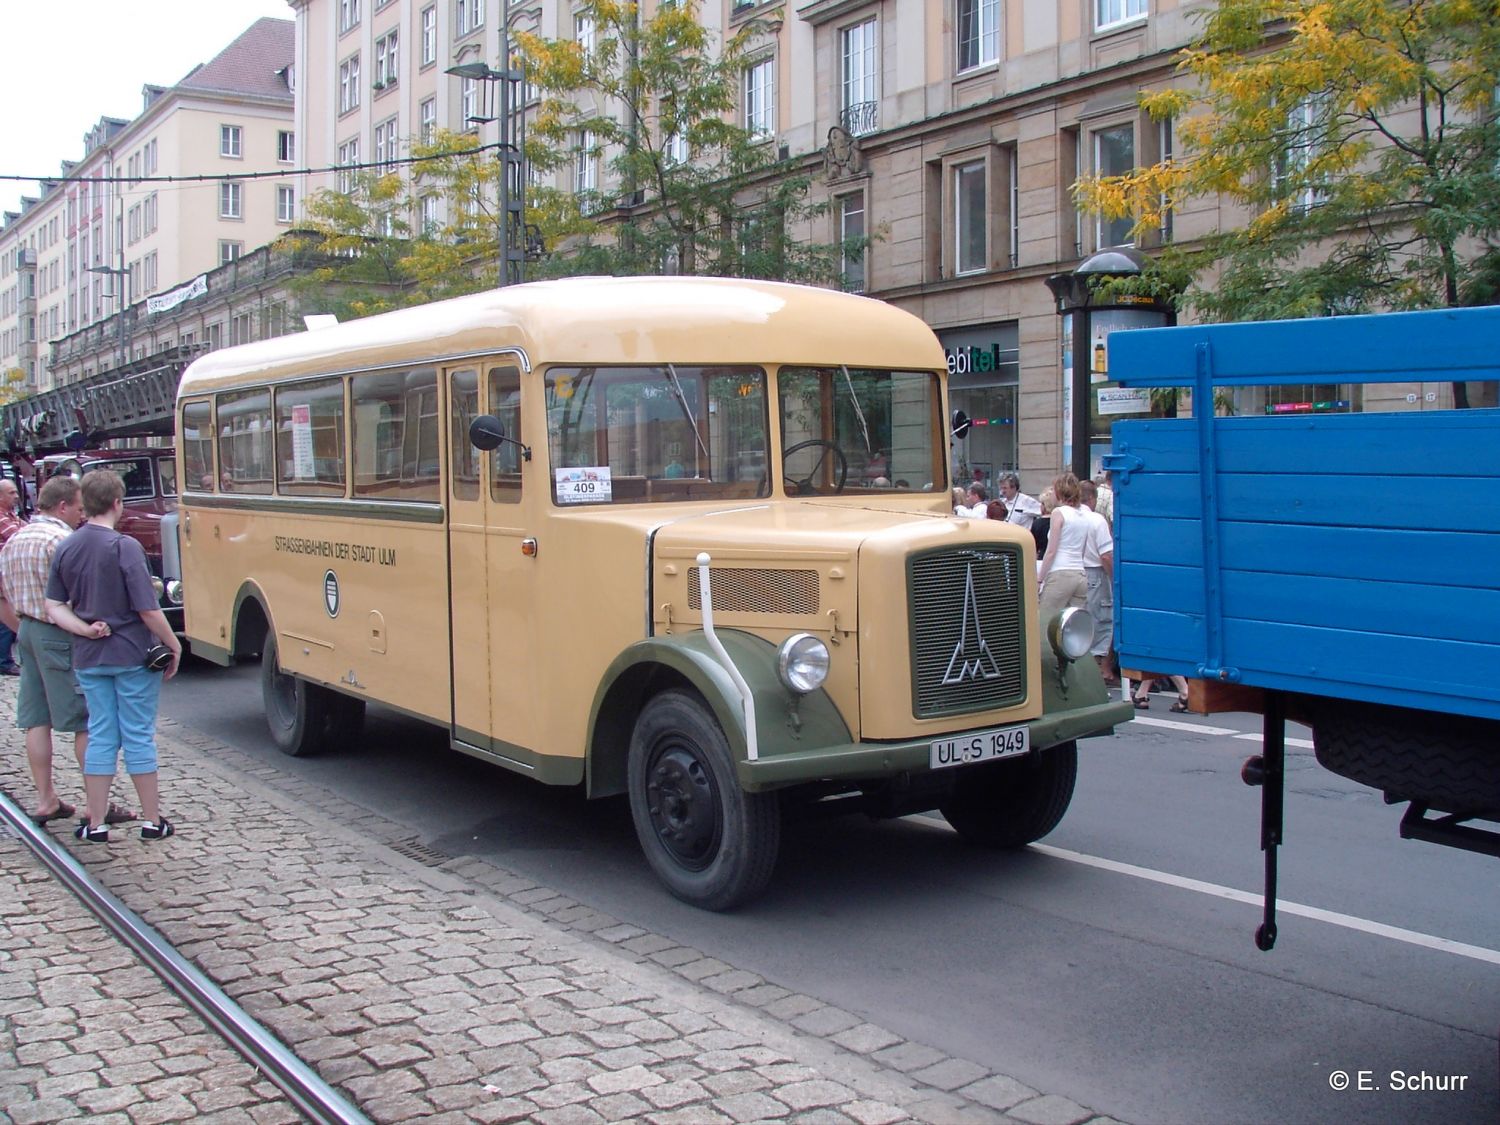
<point x="510" y="115"/>
<point x="122" y="303"/>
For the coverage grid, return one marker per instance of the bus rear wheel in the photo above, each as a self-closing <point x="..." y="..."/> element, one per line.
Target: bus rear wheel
<point x="1012" y="804"/>
<point x="710" y="842"/>
<point x="301" y="716"/>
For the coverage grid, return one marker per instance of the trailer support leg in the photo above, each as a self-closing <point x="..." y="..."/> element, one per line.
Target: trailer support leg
<point x="1268" y="770"/>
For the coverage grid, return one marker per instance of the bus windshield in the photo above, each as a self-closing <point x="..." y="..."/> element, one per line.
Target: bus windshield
<point x="626" y="435"/>
<point x="851" y="429"/>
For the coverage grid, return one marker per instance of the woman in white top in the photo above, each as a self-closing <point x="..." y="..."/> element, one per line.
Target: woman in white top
<point x="1062" y="576"/>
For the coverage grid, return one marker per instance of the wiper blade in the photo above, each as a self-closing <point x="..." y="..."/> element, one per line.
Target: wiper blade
<point x="858" y="410"/>
<point x="687" y="411"/>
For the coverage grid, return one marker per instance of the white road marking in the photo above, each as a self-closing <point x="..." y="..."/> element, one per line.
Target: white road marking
<point x="1333" y="918"/>
<point x="1256" y="736"/>
<point x="1204" y="728"/>
<point x="1173" y="724"/>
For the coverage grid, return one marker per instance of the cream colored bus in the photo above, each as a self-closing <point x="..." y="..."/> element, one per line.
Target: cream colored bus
<point x="687" y="539"/>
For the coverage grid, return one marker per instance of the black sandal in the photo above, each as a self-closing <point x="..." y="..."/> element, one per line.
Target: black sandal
<point x="1181" y="706"/>
<point x="91" y="835"/>
<point x="1142" y="704"/>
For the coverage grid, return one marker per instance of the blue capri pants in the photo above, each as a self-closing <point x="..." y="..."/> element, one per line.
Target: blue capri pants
<point x="122" y="716"/>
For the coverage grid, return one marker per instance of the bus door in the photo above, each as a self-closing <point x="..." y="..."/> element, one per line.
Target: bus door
<point x="492" y="583"/>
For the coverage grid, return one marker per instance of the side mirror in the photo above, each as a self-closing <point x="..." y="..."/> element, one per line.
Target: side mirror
<point x="486" y="432"/>
<point x="961" y="424"/>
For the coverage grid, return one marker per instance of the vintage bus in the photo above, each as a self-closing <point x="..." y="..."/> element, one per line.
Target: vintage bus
<point x="684" y="539"/>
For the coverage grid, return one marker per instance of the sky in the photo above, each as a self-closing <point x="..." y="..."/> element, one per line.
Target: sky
<point x="69" y="65"/>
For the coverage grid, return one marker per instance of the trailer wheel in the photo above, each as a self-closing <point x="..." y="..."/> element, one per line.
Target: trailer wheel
<point x="297" y="712"/>
<point x="710" y="842"/>
<point x="1447" y="762"/>
<point x="1012" y="804"/>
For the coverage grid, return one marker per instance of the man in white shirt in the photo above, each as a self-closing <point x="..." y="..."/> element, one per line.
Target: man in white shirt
<point x="1023" y="509"/>
<point x="977" y="499"/>
<point x="1098" y="572"/>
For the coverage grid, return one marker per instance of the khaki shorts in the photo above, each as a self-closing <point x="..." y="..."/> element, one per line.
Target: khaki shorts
<point x="49" y="695"/>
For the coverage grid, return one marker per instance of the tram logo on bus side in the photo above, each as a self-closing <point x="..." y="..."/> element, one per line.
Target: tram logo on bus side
<point x="331" y="593"/>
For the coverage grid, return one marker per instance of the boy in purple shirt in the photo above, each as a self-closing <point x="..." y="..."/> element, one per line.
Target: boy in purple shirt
<point x="99" y="589"/>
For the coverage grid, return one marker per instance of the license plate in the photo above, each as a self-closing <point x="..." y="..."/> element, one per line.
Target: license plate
<point x="981" y="746"/>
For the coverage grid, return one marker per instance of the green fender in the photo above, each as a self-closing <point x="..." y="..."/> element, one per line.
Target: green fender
<point x="1075" y="704"/>
<point x="226" y="654"/>
<point x="785" y="722"/>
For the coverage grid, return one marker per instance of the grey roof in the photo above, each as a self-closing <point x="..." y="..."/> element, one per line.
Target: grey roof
<point x="250" y="64"/>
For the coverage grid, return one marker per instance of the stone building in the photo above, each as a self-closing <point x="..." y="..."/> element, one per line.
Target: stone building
<point x="141" y="213"/>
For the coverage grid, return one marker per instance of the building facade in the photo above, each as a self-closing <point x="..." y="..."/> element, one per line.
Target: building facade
<point x="143" y="211"/>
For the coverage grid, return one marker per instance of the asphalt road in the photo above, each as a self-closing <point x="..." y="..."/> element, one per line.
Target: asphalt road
<point x="1092" y="966"/>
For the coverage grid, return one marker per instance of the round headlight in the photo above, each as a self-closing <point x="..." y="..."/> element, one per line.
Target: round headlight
<point x="174" y="592"/>
<point x="157" y="588"/>
<point x="802" y="663"/>
<point x="1071" y="633"/>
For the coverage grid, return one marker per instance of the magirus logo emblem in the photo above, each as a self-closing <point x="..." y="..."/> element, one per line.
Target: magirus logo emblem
<point x="971" y="659"/>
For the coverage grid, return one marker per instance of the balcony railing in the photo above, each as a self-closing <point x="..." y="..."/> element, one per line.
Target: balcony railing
<point x="860" y="118"/>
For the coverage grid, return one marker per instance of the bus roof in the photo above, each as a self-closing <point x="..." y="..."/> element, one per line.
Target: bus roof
<point x="599" y="320"/>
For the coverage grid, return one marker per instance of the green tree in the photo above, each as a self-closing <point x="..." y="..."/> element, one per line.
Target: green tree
<point x="1358" y="135"/>
<point x="355" y="241"/>
<point x="649" y="91"/>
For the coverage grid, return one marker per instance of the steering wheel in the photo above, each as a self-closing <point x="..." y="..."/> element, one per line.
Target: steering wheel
<point x="805" y="485"/>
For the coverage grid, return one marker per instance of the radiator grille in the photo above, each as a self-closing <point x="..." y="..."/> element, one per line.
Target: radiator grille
<point x="967" y="630"/>
<point x="747" y="590"/>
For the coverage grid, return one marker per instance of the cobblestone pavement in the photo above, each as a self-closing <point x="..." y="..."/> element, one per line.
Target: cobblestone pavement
<point x="421" y="986"/>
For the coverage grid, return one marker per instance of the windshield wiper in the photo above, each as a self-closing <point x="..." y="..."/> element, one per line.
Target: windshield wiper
<point x="687" y="411"/>
<point x="858" y="411"/>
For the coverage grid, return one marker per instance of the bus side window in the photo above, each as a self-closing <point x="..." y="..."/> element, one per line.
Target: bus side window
<point x="463" y="407"/>
<point x="196" y="438"/>
<point x="505" y="462"/>
<point x="396" y="435"/>
<point x="245" y="441"/>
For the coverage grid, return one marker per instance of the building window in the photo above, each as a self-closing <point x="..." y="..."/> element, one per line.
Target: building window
<point x="1013" y="205"/>
<point x="427" y="114"/>
<point x="851" y="209"/>
<point x="585" y="170"/>
<point x="349" y="84"/>
<point x="348" y="156"/>
<point x="1112" y="13"/>
<point x="348" y="14"/>
<point x="470" y="16"/>
<point x="151" y="158"/>
<point x="229" y="251"/>
<point x="760" y="97"/>
<point x="468" y="102"/>
<point x="860" y="89"/>
<point x="386" y="56"/>
<point x="386" y="146"/>
<point x="286" y="146"/>
<point x="1164" y="151"/>
<point x="229" y="141"/>
<point x="429" y="36"/>
<point x="978" y="33"/>
<point x="674" y="149"/>
<point x="286" y="203"/>
<point x="427" y="216"/>
<point x="1305" y="140"/>
<point x="584" y="33"/>
<point x="230" y="199"/>
<point x="1114" y="155"/>
<point x="148" y="273"/>
<point x="970" y="232"/>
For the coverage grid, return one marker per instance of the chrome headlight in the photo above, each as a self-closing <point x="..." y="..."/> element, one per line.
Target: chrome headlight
<point x="156" y="587"/>
<point x="802" y="663"/>
<point x="1071" y="633"/>
<point x="174" y="592"/>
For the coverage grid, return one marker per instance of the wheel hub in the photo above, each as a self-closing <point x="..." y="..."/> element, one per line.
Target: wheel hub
<point x="684" y="805"/>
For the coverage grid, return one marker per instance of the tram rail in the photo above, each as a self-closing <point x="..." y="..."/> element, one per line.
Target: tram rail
<point x="302" y="1085"/>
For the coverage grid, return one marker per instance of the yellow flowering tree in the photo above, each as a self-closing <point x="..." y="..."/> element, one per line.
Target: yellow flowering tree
<point x="1358" y="135"/>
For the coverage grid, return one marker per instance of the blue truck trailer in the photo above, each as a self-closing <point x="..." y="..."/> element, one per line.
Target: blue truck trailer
<point x="1342" y="569"/>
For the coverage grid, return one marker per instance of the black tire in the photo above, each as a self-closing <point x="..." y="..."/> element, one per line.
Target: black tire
<point x="346" y="718"/>
<point x="1449" y="763"/>
<point x="710" y="842"/>
<point x="296" y="711"/>
<point x="1012" y="804"/>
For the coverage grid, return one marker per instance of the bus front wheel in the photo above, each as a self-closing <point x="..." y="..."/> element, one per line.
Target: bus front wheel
<point x="1012" y="804"/>
<point x="710" y="842"/>
<point x="296" y="711"/>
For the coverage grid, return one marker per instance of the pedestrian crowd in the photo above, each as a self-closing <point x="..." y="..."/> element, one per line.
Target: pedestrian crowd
<point x="81" y="626"/>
